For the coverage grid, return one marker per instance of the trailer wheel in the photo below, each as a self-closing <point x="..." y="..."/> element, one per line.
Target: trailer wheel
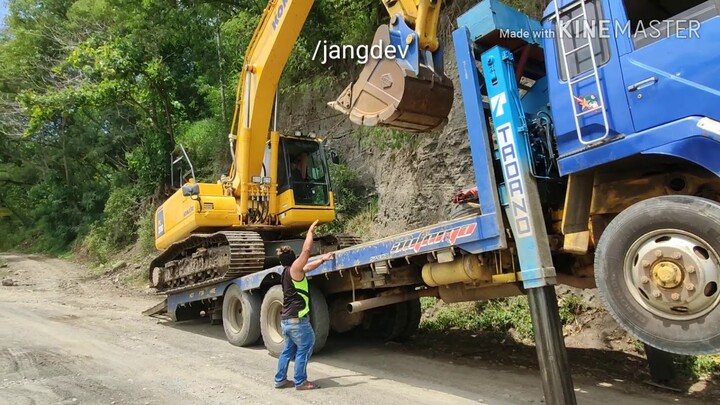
<point x="319" y="317"/>
<point x="270" y="320"/>
<point x="241" y="316"/>
<point x="657" y="269"/>
<point x="270" y="316"/>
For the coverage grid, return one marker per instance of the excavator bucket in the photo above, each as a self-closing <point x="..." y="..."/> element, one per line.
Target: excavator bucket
<point x="390" y="93"/>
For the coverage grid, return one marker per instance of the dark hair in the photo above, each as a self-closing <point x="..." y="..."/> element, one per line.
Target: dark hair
<point x="286" y="255"/>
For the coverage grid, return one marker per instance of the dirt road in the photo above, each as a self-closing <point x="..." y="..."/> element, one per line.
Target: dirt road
<point x="68" y="338"/>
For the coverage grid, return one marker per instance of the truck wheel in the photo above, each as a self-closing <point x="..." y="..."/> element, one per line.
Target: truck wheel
<point x="414" y="313"/>
<point x="657" y="269"/>
<point x="342" y="321"/>
<point x="241" y="316"/>
<point x="270" y="316"/>
<point x="388" y="323"/>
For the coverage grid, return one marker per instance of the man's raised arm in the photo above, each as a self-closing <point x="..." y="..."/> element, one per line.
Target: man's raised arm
<point x="297" y="270"/>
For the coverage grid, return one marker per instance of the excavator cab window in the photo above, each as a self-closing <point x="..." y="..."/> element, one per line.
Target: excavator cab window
<point x="303" y="167"/>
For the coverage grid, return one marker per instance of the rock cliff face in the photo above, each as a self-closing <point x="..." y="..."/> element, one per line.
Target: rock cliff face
<point x="415" y="182"/>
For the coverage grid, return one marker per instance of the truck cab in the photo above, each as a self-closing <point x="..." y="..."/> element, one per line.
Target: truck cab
<point x="638" y="68"/>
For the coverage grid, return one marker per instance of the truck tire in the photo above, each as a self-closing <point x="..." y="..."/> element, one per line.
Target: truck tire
<point x="389" y="323"/>
<point x="319" y="318"/>
<point x="657" y="269"/>
<point x="464" y="210"/>
<point x="241" y="316"/>
<point x="271" y="329"/>
<point x="414" y="313"/>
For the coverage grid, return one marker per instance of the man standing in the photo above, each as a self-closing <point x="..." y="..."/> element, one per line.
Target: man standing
<point x="296" y="329"/>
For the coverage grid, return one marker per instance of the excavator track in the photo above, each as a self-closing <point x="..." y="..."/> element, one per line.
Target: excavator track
<point x="346" y="241"/>
<point x="338" y="241"/>
<point x="204" y="259"/>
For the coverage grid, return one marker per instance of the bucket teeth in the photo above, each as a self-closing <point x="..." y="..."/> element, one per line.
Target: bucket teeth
<point x="388" y="93"/>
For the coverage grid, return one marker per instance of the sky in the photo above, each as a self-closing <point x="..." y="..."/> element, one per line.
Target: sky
<point x="3" y="12"/>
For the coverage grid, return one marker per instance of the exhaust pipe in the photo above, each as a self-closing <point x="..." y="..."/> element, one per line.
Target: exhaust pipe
<point x="382" y="301"/>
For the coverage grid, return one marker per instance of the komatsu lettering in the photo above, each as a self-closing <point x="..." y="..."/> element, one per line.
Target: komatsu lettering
<point x="278" y="16"/>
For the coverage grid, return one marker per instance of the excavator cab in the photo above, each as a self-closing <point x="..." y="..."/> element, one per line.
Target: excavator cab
<point x="302" y="167"/>
<point x="408" y="91"/>
<point x="303" y="180"/>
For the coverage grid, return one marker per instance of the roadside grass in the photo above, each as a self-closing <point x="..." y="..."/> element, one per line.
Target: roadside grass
<point x="504" y="316"/>
<point x="698" y="367"/>
<point x="137" y="279"/>
<point x="4" y="272"/>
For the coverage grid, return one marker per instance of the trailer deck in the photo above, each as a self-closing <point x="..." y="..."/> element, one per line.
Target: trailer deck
<point x="473" y="234"/>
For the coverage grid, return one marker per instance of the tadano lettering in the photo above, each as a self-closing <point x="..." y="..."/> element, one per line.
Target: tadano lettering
<point x="515" y="185"/>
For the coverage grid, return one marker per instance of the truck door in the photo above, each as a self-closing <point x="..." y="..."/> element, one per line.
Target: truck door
<point x="670" y="65"/>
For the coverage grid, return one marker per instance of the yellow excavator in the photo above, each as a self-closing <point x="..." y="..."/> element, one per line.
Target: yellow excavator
<point x="279" y="184"/>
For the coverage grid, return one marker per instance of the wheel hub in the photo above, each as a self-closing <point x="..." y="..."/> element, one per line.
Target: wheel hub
<point x="673" y="274"/>
<point x="236" y="316"/>
<point x="667" y="274"/>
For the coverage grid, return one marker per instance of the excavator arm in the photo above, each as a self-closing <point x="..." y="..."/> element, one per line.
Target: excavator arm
<point x="421" y="14"/>
<point x="410" y="93"/>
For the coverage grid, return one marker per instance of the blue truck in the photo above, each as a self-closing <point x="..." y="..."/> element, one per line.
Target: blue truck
<point x="595" y="140"/>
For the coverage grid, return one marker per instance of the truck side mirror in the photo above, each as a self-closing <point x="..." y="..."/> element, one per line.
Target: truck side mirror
<point x="191" y="190"/>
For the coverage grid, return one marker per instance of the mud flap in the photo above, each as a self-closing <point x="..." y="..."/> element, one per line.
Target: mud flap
<point x="390" y="93"/>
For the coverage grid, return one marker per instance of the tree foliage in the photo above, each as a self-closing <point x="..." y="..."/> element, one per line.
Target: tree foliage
<point x="95" y="94"/>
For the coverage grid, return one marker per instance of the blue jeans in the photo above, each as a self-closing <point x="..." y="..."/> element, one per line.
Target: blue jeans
<point x="299" y="341"/>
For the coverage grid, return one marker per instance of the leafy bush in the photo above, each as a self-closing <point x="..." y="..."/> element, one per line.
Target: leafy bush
<point x="427" y="303"/>
<point x="355" y="208"/>
<point x="117" y="227"/>
<point x="205" y="142"/>
<point x="500" y="315"/>
<point x="362" y="224"/>
<point x="698" y="367"/>
<point x="146" y="231"/>
<point x="570" y="305"/>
